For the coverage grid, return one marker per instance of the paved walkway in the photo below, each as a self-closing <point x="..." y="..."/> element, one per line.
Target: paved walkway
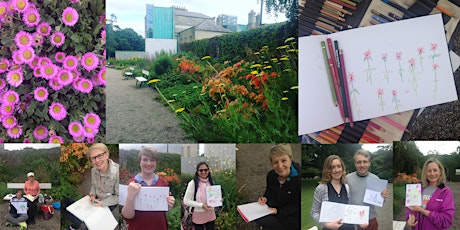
<point x="134" y="116"/>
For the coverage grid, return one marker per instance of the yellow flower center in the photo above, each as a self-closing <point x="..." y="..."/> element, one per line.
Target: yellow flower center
<point x="103" y="75"/>
<point x="8" y="108"/>
<point x="64" y="76"/>
<point x="89" y="61"/>
<point x="56" y="109"/>
<point x="70" y="62"/>
<point x="11" y="98"/>
<point x="23" y="40"/>
<point x="9" y="121"/>
<point x="57" y="38"/>
<point x="40" y="131"/>
<point x="21" y="4"/>
<point x="85" y="85"/>
<point x="41" y="93"/>
<point x="91" y="120"/>
<point x="32" y="18"/>
<point x="27" y="54"/>
<point x="88" y="129"/>
<point x="49" y="70"/>
<point x="15" y="77"/>
<point x="44" y="30"/>
<point x="15" y="130"/>
<point x="68" y="17"/>
<point x="3" y="65"/>
<point x="2" y="10"/>
<point x="55" y="140"/>
<point x="75" y="128"/>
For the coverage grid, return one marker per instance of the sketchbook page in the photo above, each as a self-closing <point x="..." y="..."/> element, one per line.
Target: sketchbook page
<point x="21" y="206"/>
<point x="102" y="219"/>
<point x="350" y="214"/>
<point x="356" y="214"/>
<point x="214" y="196"/>
<point x="253" y="211"/>
<point x="373" y="191"/>
<point x="377" y="185"/>
<point x="413" y="195"/>
<point x="82" y="208"/>
<point x="391" y="68"/>
<point x="148" y="198"/>
<point x="399" y="225"/>
<point x="331" y="211"/>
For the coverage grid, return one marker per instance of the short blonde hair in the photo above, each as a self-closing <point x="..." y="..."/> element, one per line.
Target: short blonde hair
<point x="442" y="177"/>
<point x="280" y="150"/>
<point x="149" y="152"/>
<point x="327" y="169"/>
<point x="363" y="153"/>
<point x="98" y="146"/>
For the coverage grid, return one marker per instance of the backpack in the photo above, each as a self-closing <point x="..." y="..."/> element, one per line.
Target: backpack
<point x="186" y="221"/>
<point x="48" y="211"/>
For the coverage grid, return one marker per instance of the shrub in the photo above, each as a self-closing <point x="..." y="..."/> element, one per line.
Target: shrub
<point x="162" y="64"/>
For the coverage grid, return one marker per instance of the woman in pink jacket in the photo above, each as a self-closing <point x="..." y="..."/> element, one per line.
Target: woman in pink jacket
<point x="437" y="210"/>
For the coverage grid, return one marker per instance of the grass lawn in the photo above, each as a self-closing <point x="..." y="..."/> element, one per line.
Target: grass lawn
<point x="308" y="188"/>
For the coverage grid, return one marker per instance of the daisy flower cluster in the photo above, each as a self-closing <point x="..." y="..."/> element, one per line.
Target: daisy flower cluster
<point x="52" y="71"/>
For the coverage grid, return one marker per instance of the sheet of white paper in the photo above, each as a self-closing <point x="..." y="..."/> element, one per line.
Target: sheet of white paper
<point x="148" y="198"/>
<point x="214" y="196"/>
<point x="376" y="184"/>
<point x="386" y="73"/>
<point x="21" y="206"/>
<point x="373" y="197"/>
<point x="252" y="211"/>
<point x="350" y="214"/>
<point x="95" y="217"/>
<point x="413" y="195"/>
<point x="101" y="220"/>
<point x="399" y="225"/>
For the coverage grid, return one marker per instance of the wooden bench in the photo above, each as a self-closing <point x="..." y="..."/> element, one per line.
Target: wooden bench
<point x="21" y="186"/>
<point x="129" y="73"/>
<point x="142" y="79"/>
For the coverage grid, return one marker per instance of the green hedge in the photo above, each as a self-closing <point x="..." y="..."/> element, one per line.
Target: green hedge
<point x="237" y="46"/>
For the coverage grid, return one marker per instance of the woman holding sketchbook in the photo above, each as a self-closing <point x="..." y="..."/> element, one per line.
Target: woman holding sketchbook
<point x="148" y="159"/>
<point x="203" y="216"/>
<point x="282" y="194"/>
<point x="437" y="210"/>
<point x="32" y="191"/>
<point x="331" y="188"/>
<point x="104" y="183"/>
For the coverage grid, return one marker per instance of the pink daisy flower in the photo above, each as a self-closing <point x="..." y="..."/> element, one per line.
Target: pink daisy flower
<point x="14" y="78"/>
<point x="57" y="38"/>
<point x="20" y="5"/>
<point x="55" y="84"/>
<point x="57" y="111"/>
<point x="41" y="94"/>
<point x="38" y="71"/>
<point x="33" y="64"/>
<point x="9" y="122"/>
<point x="78" y="139"/>
<point x="22" y="107"/>
<point x="44" y="29"/>
<point x="4" y="64"/>
<point x="26" y="141"/>
<point x="90" y="132"/>
<point x="27" y="54"/>
<point x="44" y="61"/>
<point x="3" y="9"/>
<point x="73" y="1"/>
<point x="59" y="57"/>
<point x="15" y="132"/>
<point x="103" y="38"/>
<point x="52" y="133"/>
<point x="65" y="77"/>
<point x="55" y="140"/>
<point x="7" y="109"/>
<point x="23" y="39"/>
<point x="40" y="132"/>
<point x="69" y="16"/>
<point x="84" y="85"/>
<point x="90" y="140"/>
<point x="2" y="84"/>
<point x="89" y="61"/>
<point x="102" y="19"/>
<point x="10" y="97"/>
<point x="70" y="62"/>
<point x="75" y="129"/>
<point x="17" y="59"/>
<point x="31" y="17"/>
<point x="49" y="71"/>
<point x="92" y="120"/>
<point x="38" y="39"/>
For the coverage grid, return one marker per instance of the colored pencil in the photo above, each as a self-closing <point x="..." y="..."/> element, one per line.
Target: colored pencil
<point x="331" y="4"/>
<point x="381" y="15"/>
<point x="394" y="16"/>
<point x="344" y="4"/>
<point x="335" y="75"/>
<point x="400" y="8"/>
<point x="376" y="126"/>
<point x="394" y="123"/>
<point x="327" y="137"/>
<point x="328" y="70"/>
<point x="316" y="14"/>
<point x="431" y="4"/>
<point x="371" y="135"/>
<point x="345" y="87"/>
<point x="341" y="87"/>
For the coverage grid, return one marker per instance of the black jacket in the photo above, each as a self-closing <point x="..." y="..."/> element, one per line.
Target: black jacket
<point x="285" y="198"/>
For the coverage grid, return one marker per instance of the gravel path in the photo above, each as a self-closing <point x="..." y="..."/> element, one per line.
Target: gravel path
<point x="134" y="116"/>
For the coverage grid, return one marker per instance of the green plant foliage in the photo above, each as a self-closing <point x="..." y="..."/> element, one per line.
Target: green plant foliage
<point x="162" y="64"/>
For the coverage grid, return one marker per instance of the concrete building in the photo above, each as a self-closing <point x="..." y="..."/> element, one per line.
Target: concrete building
<point x="218" y="156"/>
<point x="206" y="29"/>
<point x="228" y="21"/>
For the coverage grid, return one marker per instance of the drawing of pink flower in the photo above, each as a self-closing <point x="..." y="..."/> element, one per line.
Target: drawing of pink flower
<point x="384" y="59"/>
<point x="412" y="62"/>
<point x="354" y="92"/>
<point x="435" y="68"/>
<point x="413" y="80"/>
<point x="380" y="96"/>
<point x="434" y="46"/>
<point x="395" y="99"/>
<point x="420" y="51"/>
<point x="351" y="77"/>
<point x="367" y="58"/>
<point x="398" y="57"/>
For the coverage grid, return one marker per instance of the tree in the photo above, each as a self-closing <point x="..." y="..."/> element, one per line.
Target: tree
<point x="407" y="158"/>
<point x="289" y="7"/>
<point x="122" y="39"/>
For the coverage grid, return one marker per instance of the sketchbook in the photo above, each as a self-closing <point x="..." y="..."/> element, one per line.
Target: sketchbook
<point x="390" y="68"/>
<point x="148" y="198"/>
<point x="253" y="211"/>
<point x="95" y="217"/>
<point x="350" y="214"/>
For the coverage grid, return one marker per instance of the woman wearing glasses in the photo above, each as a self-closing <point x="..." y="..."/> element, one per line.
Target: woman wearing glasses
<point x="203" y="216"/>
<point x="104" y="183"/>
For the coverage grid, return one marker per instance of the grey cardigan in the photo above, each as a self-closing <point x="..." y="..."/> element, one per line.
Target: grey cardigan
<point x="320" y="195"/>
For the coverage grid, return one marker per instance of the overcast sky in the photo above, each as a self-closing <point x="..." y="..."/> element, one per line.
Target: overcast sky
<point x="163" y="148"/>
<point x="131" y="13"/>
<point x="35" y="146"/>
<point x="443" y="147"/>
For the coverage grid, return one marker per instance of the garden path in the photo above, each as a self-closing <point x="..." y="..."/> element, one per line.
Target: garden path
<point x="134" y="116"/>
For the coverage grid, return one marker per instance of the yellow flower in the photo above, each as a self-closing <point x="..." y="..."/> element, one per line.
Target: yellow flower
<point x="255" y="66"/>
<point x="282" y="47"/>
<point x="284" y="98"/>
<point x="274" y="59"/>
<point x="180" y="110"/>
<point x="256" y="53"/>
<point x="205" y="57"/>
<point x="284" y="58"/>
<point x="295" y="87"/>
<point x="268" y="67"/>
<point x="153" y="81"/>
<point x="292" y="51"/>
<point x="285" y="91"/>
<point x="254" y="72"/>
<point x="289" y="39"/>
<point x="170" y="101"/>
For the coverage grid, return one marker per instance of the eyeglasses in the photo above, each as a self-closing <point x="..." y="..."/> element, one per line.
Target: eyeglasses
<point x="203" y="170"/>
<point x="97" y="157"/>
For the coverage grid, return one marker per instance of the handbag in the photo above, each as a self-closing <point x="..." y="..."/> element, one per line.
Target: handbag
<point x="48" y="211"/>
<point x="186" y="221"/>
